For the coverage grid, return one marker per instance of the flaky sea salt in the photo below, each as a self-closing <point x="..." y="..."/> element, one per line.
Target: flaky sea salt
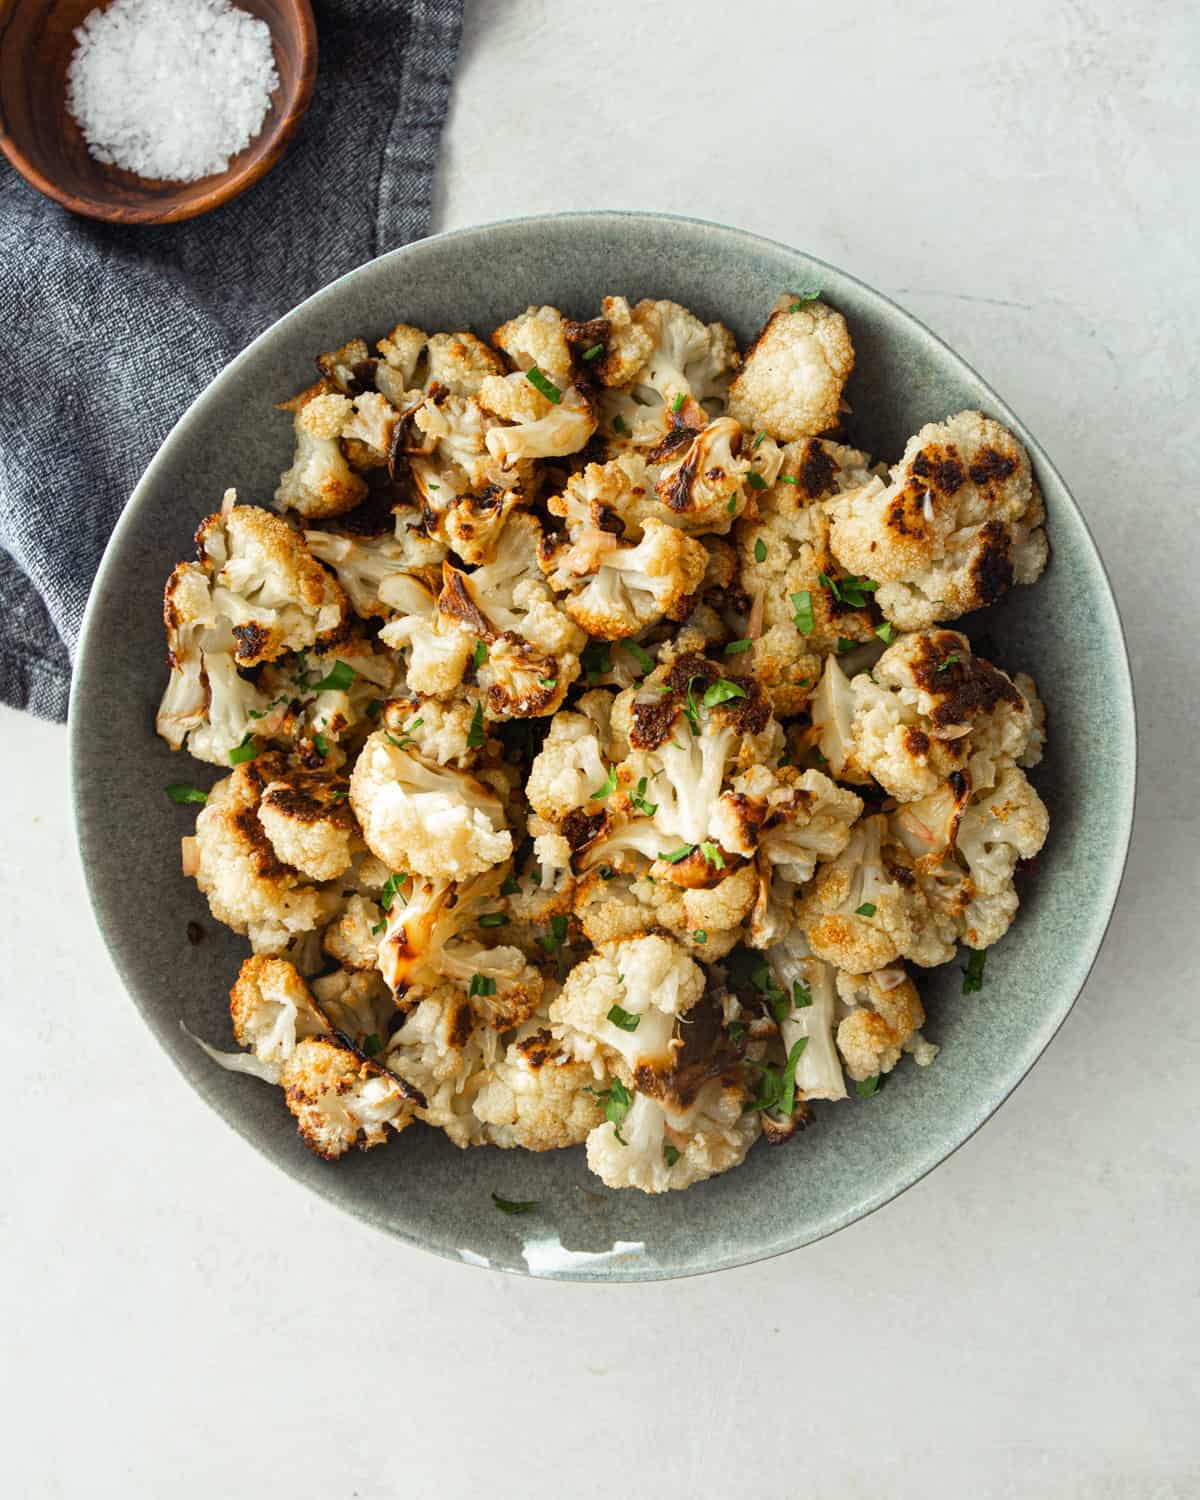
<point x="170" y="88"/>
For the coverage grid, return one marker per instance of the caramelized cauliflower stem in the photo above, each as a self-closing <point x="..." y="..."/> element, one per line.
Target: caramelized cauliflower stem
<point x="597" y="760"/>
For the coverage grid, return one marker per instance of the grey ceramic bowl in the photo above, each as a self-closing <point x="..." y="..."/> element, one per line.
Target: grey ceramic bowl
<point x="857" y="1155"/>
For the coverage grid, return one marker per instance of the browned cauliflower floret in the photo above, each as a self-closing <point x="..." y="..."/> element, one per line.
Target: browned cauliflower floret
<point x="791" y="381"/>
<point x="707" y="485"/>
<point x="342" y="1099"/>
<point x="959" y="523"/>
<point x="248" y="887"/>
<point x="272" y="1010"/>
<point x="460" y="362"/>
<point x="309" y="823"/>
<point x="352" y="938"/>
<point x="794" y="817"/>
<point x="443" y="1050"/>
<point x="537" y="422"/>
<point x="363" y="565"/>
<point x="864" y="908"/>
<point x="396" y="374"/>
<point x="426" y="819"/>
<point x="613" y="591"/>
<point x="438" y="649"/>
<point x="320" y="481"/>
<point x="538" y="337"/>
<point x="537" y="1098"/>
<point x="688" y="358"/>
<point x="885" y="1019"/>
<point x="570" y="768"/>
<point x="627" y="344"/>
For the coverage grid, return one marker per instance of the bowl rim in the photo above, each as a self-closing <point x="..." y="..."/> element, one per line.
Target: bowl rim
<point x="85" y="675"/>
<point x="197" y="199"/>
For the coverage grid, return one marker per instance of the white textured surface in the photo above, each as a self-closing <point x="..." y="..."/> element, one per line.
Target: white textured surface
<point x="180" y="1319"/>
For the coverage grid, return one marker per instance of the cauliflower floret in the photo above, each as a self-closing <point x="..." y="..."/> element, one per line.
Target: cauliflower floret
<point x="321" y="707"/>
<point x="431" y="937"/>
<point x="792" y="377"/>
<point x="1005" y="823"/>
<point x="435" y="731"/>
<point x="438" y="649"/>
<point x="542" y="427"/>
<point x="568" y="769"/>
<point x="358" y="1005"/>
<point x="1035" y="745"/>
<point x="460" y="362"/>
<point x="884" y="1021"/>
<point x="809" y="998"/>
<point x="794" y="817"/>
<point x="428" y="820"/>
<point x="658" y="1149"/>
<point x="272" y="1009"/>
<point x="352" y="938"/>
<point x="188" y="616"/>
<point x="368" y="433"/>
<point x="960" y="522"/>
<point x="615" y="591"/>
<point x="341" y="1099"/>
<point x="538" y="337"/>
<point x="308" y="822"/>
<point x="688" y="358"/>
<point x="537" y="1098"/>
<point x="614" y="497"/>
<point x="320" y="482"/>
<point x="627" y="344"/>
<point x="651" y="978"/>
<point x="441" y="1051"/>
<point x="396" y="375"/>
<point x="864" y="909"/>
<point x="704" y="488"/>
<point x="363" y="563"/>
<point x="247" y="886"/>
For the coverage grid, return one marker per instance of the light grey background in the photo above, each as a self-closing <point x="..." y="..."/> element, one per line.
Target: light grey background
<point x="179" y="1318"/>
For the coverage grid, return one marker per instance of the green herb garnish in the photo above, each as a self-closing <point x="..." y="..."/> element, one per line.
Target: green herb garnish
<point x="320" y="745"/>
<point x="475" y="733"/>
<point x="670" y="1154"/>
<point x="948" y="661"/>
<point x="626" y="1020"/>
<point x="493" y="919"/>
<point x="481" y="984"/>
<point x="756" y="482"/>
<point x="758" y="439"/>
<point x="619" y="423"/>
<point x="810" y="294"/>
<point x="973" y="971"/>
<point x="336" y="680"/>
<point x="801" y="995"/>
<point x="803" y="618"/>
<point x="867" y="909"/>
<point x="885" y="632"/>
<point x="712" y="855"/>
<point x="391" y="890"/>
<point x="700" y="936"/>
<point x="865" y="1087"/>
<point x="760" y="550"/>
<point x="247" y="750"/>
<point x="372" y="1045"/>
<point x="594" y="352"/>
<point x="638" y="799"/>
<point x="544" y="384"/>
<point x="515" y="1206"/>
<point x="677" y="404"/>
<point x="735" y="648"/>
<point x="511" y="885"/>
<point x="640" y="655"/>
<point x="677" y="854"/>
<point x="609" y="787"/>
<point x="722" y="691"/>
<point x="182" y="791"/>
<point x="479" y="655"/>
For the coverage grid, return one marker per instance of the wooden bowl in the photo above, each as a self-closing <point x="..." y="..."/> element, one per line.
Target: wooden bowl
<point x="43" y="142"/>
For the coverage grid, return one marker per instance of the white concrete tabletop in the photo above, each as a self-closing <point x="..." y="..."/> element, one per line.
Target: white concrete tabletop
<point x="179" y="1319"/>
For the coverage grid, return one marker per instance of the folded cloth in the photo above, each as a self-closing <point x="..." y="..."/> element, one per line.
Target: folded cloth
<point x="108" y="332"/>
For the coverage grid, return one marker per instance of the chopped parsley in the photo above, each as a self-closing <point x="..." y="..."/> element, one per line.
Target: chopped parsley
<point x="731" y="505"/>
<point x="619" y="423"/>
<point x="475" y="733"/>
<point x="609" y="787"/>
<point x="865" y="1087"/>
<point x="803" y="618"/>
<point x="845" y="644"/>
<point x="756" y="482"/>
<point x="973" y="972"/>
<point x="712" y="855"/>
<point x="809" y="294"/>
<point x="557" y="935"/>
<point x="640" y="655"/>
<point x="670" y="1153"/>
<point x="758" y="439"/>
<point x="722" y="691"/>
<point x="677" y="854"/>
<point x="885" y="632"/>
<point x="594" y="352"/>
<point x="596" y="660"/>
<point x="867" y="909"/>
<point x="247" y="750"/>
<point x="700" y="936"/>
<point x="373" y="708"/>
<point x="788" y="479"/>
<point x="511" y="886"/>
<point x="760" y="550"/>
<point x="801" y="995"/>
<point x="378" y="928"/>
<point x="735" y="648"/>
<point x="336" y="680"/>
<point x="320" y="745"/>
<point x="493" y="919"/>
<point x="515" y="1205"/>
<point x="548" y="682"/>
<point x="182" y="791"/>
<point x="617" y="1101"/>
<point x="677" y="404"/>
<point x="638" y="799"/>
<point x="851" y="590"/>
<point x="544" y="384"/>
<point x="737" y="1030"/>
<point x="626" y="1020"/>
<point x="481" y="984"/>
<point x="479" y="655"/>
<point x="372" y="1045"/>
<point x="948" y="661"/>
<point x="777" y="1088"/>
<point x="391" y="890"/>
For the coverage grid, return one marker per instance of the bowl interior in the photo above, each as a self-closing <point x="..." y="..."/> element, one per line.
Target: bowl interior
<point x="857" y="1154"/>
<point x="41" y="138"/>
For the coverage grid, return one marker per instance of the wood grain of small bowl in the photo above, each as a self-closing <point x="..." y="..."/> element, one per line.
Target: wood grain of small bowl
<point x="43" y="142"/>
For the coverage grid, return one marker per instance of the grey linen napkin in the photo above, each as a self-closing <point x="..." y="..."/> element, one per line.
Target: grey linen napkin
<point x="107" y="333"/>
